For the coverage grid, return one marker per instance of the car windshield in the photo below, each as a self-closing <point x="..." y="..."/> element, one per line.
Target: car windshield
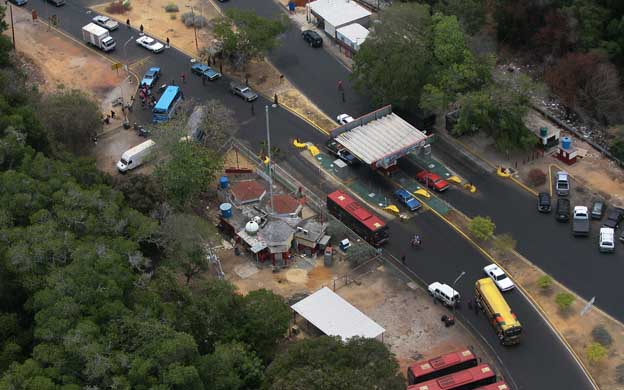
<point x="149" y="41"/>
<point x="124" y="162"/>
<point x="501" y="277"/>
<point x="244" y="89"/>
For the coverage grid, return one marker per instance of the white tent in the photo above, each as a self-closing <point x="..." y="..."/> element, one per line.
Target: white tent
<point x="334" y="316"/>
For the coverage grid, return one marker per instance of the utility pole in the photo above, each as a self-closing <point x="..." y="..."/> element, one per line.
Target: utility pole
<point x="266" y="111"/>
<point x="456" y="280"/>
<point x="194" y="27"/>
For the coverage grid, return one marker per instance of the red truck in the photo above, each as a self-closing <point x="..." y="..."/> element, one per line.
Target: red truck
<point x="432" y="180"/>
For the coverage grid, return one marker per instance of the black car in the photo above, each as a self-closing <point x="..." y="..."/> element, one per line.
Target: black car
<point x="562" y="213"/>
<point x="339" y="151"/>
<point x="313" y="38"/>
<point x="614" y="218"/>
<point x="598" y="209"/>
<point x="543" y="202"/>
<point x="57" y="3"/>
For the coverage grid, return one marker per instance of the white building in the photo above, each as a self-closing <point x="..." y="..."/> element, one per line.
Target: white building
<point x="333" y="14"/>
<point x="352" y="36"/>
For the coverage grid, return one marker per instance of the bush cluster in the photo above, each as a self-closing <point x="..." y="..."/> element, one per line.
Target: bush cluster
<point x="193" y="20"/>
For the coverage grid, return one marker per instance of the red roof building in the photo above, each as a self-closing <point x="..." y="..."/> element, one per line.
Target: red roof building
<point x="248" y="191"/>
<point x="286" y="204"/>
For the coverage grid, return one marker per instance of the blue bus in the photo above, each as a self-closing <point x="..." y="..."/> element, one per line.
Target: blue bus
<point x="166" y="105"/>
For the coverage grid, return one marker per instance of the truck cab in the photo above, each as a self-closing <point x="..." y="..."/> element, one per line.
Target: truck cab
<point x="444" y="293"/>
<point x="606" y="241"/>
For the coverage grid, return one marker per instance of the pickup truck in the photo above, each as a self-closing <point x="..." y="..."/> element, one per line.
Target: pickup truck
<point x="339" y="151"/>
<point x="403" y="196"/>
<point x="580" y="221"/>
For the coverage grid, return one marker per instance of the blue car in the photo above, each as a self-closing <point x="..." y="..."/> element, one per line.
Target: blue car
<point x="205" y="70"/>
<point x="19" y="2"/>
<point x="403" y="196"/>
<point x="150" y="77"/>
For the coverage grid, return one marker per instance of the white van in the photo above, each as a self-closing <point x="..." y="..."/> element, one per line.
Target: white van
<point x="444" y="293"/>
<point x="135" y="156"/>
<point x="607" y="239"/>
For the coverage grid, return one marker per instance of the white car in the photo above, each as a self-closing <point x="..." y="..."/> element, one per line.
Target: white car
<point x="343" y="119"/>
<point x="444" y="293"/>
<point x="501" y="280"/>
<point x="105" y="22"/>
<point x="150" y="44"/>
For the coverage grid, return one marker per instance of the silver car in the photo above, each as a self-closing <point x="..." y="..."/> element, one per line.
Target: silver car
<point x="243" y="91"/>
<point x="105" y="22"/>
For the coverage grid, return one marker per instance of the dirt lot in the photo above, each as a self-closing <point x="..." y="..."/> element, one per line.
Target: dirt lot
<point x="159" y="23"/>
<point x="111" y="146"/>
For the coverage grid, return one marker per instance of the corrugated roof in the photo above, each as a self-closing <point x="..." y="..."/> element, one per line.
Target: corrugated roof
<point x="381" y="138"/>
<point x="334" y="316"/>
<point x="338" y="12"/>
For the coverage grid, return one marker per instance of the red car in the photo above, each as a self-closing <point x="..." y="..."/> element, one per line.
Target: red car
<point x="432" y="180"/>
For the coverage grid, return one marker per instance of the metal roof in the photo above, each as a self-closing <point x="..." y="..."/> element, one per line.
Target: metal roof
<point x="334" y="316"/>
<point x="383" y="140"/>
<point x="338" y="12"/>
<point x="354" y="32"/>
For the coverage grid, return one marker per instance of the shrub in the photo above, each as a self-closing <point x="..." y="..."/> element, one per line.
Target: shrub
<point x="172" y="7"/>
<point x="482" y="228"/>
<point x="595" y="352"/>
<point x="564" y="300"/>
<point x="545" y="282"/>
<point x="116" y="7"/>
<point x="619" y="374"/>
<point x="537" y="177"/>
<point x="190" y="19"/>
<point x="173" y="16"/>
<point x="617" y="148"/>
<point x="601" y="335"/>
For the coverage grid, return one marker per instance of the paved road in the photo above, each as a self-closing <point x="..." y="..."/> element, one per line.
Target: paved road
<point x="574" y="262"/>
<point x="444" y="255"/>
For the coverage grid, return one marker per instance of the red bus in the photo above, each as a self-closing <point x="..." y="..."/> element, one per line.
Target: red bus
<point x="496" y="386"/>
<point x="441" y="365"/>
<point x="366" y="224"/>
<point x="468" y="379"/>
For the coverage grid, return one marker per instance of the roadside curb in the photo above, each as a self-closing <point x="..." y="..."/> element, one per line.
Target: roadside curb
<point x="527" y="295"/>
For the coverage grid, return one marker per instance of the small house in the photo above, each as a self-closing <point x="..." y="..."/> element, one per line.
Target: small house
<point x="333" y="14"/>
<point x="351" y="36"/>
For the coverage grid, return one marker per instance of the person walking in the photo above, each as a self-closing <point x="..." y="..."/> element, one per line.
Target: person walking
<point x="183" y="78"/>
<point x="403" y="259"/>
<point x="167" y="41"/>
<point x="141" y="29"/>
<point x="340" y="85"/>
<point x="113" y="114"/>
<point x="128" y="23"/>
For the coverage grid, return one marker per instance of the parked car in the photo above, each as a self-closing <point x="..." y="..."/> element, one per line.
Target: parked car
<point x="313" y="38"/>
<point x="606" y="240"/>
<point x="432" y="180"/>
<point x="150" y="77"/>
<point x="150" y="44"/>
<point x="106" y="22"/>
<point x="205" y="71"/>
<point x="243" y="91"/>
<point x="580" y="221"/>
<point x="501" y="280"/>
<point x="543" y="202"/>
<point x="563" y="184"/>
<point x="57" y="3"/>
<point x="562" y="212"/>
<point x="403" y="196"/>
<point x="19" y="2"/>
<point x="444" y="293"/>
<point x="339" y="151"/>
<point x="614" y="218"/>
<point x="343" y="119"/>
<point x="598" y="209"/>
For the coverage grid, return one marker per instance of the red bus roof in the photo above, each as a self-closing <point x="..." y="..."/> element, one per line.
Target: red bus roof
<point x="358" y="211"/>
<point x="453" y="381"/>
<point x="495" y="386"/>
<point x="455" y="358"/>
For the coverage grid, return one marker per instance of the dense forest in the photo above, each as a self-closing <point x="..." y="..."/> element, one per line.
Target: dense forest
<point x="96" y="272"/>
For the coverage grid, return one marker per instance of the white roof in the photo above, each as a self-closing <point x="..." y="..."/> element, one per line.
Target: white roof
<point x="354" y="32"/>
<point x="381" y="138"/>
<point x="334" y="316"/>
<point x="338" y="12"/>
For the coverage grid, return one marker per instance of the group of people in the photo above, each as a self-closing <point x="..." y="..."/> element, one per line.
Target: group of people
<point x="146" y="96"/>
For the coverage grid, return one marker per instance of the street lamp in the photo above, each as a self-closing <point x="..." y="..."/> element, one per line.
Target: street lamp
<point x="194" y="27"/>
<point x="456" y="280"/>
<point x="12" y="23"/>
<point x="123" y="103"/>
<point x="126" y="54"/>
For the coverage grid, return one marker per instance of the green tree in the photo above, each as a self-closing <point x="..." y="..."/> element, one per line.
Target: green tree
<point x="72" y="118"/>
<point x="266" y="318"/>
<point x="564" y="300"/>
<point x="596" y="352"/>
<point x="232" y="366"/>
<point x="243" y="35"/>
<point x="187" y="172"/>
<point x="545" y="282"/>
<point x="217" y="124"/>
<point x="143" y="192"/>
<point x="328" y="363"/>
<point x="617" y="148"/>
<point x="471" y="13"/>
<point x="392" y="64"/>
<point x="482" y="228"/>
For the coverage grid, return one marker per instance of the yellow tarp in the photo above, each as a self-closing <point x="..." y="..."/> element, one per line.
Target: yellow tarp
<point x="422" y="193"/>
<point x="313" y="150"/>
<point x="454" y="179"/>
<point x="392" y="208"/>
